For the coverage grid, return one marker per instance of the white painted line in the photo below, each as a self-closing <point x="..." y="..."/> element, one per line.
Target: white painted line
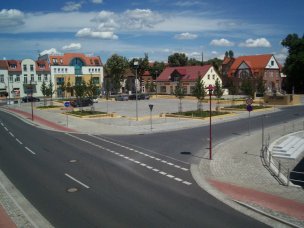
<point x="19" y="141"/>
<point x="74" y="179"/>
<point x="178" y="179"/>
<point x="170" y="176"/>
<point x="143" y="164"/>
<point x="2" y="124"/>
<point x="30" y="150"/>
<point x="187" y="183"/>
<point x="12" y="134"/>
<point x="137" y="162"/>
<point x="163" y="161"/>
<point x="149" y="167"/>
<point x="163" y="173"/>
<point x="6" y="128"/>
<point x="169" y="163"/>
<point x="177" y="166"/>
<point x="184" y="169"/>
<point x="156" y="170"/>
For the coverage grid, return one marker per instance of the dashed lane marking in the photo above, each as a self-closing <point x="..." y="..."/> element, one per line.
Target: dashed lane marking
<point x="28" y="149"/>
<point x="135" y="161"/>
<point x="19" y="141"/>
<point x="12" y="134"/>
<point x="6" y="128"/>
<point x="141" y="153"/>
<point x="77" y="181"/>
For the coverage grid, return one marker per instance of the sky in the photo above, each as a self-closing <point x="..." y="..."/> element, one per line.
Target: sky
<point x="131" y="28"/>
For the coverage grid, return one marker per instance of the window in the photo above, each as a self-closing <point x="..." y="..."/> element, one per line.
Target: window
<point x="192" y="89"/>
<point x="10" y="78"/>
<point x="32" y="77"/>
<point x="163" y="89"/>
<point x="272" y="63"/>
<point x="1" y="78"/>
<point x="213" y="77"/>
<point x="39" y="77"/>
<point x="60" y="81"/>
<point x="208" y="76"/>
<point x="78" y="80"/>
<point x="45" y="77"/>
<point x="98" y="69"/>
<point x="66" y="70"/>
<point x="25" y="79"/>
<point x="17" y="78"/>
<point x="95" y="80"/>
<point x="31" y="67"/>
<point x="24" y="67"/>
<point x="55" y="70"/>
<point x="61" y="61"/>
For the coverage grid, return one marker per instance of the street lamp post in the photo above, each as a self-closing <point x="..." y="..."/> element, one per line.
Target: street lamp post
<point x="32" y="100"/>
<point x="136" y="66"/>
<point x="210" y="89"/>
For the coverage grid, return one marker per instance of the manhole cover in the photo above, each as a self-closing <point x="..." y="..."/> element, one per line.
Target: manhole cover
<point x="73" y="161"/>
<point x="71" y="190"/>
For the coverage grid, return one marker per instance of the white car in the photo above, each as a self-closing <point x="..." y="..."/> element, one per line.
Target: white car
<point x="95" y="100"/>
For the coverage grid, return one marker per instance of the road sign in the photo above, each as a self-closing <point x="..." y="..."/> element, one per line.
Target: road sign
<point x="249" y="101"/>
<point x="151" y="107"/>
<point x="249" y="108"/>
<point x="66" y="104"/>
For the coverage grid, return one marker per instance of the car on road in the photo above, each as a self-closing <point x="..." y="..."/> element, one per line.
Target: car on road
<point x="30" y="99"/>
<point x="141" y="96"/>
<point x="81" y="102"/>
<point x="122" y="97"/>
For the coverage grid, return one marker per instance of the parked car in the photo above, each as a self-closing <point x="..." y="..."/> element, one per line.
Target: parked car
<point x="144" y="96"/>
<point x="81" y="102"/>
<point x="133" y="97"/>
<point x="30" y="99"/>
<point x="95" y="99"/>
<point x="122" y="97"/>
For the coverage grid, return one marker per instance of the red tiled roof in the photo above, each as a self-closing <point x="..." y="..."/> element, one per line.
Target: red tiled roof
<point x="255" y="62"/>
<point x="188" y="73"/>
<point x="226" y="60"/>
<point x="17" y="63"/>
<point x="42" y="66"/>
<point x="3" y="64"/>
<point x="65" y="59"/>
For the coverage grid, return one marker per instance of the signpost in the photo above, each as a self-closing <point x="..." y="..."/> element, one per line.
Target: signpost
<point x="249" y="108"/>
<point x="151" y="109"/>
<point x="67" y="107"/>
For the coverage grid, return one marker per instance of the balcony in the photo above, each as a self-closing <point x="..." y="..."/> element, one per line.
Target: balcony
<point x="30" y="83"/>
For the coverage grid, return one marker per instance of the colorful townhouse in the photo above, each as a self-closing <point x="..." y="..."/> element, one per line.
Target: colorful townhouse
<point x="187" y="76"/>
<point x="72" y="68"/>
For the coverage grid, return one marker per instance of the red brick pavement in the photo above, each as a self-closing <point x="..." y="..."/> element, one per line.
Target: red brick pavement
<point x="276" y="203"/>
<point x="42" y="121"/>
<point x="5" y="221"/>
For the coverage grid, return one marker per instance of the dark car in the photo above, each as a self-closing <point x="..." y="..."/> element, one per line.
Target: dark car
<point x="133" y="97"/>
<point x="144" y="96"/>
<point x="81" y="102"/>
<point x="30" y="99"/>
<point x="122" y="97"/>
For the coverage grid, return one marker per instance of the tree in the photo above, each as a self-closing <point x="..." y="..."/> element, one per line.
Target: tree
<point x="44" y="91"/>
<point x="199" y="92"/>
<point x="178" y="59"/>
<point x="50" y="91"/>
<point x="62" y="87"/>
<point x="260" y="86"/>
<point x="194" y="62"/>
<point x="115" y="67"/>
<point x="231" y="54"/>
<point x="248" y="87"/>
<point x="143" y="65"/>
<point x="218" y="90"/>
<point x="156" y="69"/>
<point x="80" y="89"/>
<point x="179" y="92"/>
<point x="91" y="88"/>
<point x="294" y="63"/>
<point x="215" y="62"/>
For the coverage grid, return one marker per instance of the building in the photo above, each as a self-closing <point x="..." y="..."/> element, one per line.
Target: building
<point x="265" y="67"/>
<point x="23" y="77"/>
<point x="187" y="75"/>
<point x="72" y="68"/>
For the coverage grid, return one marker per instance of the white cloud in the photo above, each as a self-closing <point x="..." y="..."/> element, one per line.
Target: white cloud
<point x="11" y="18"/>
<point x="97" y="1"/>
<point x="72" y="46"/>
<point x="87" y="32"/>
<point x="214" y="52"/>
<point x="50" y="52"/>
<point x="185" y="36"/>
<point x="221" y="42"/>
<point x="187" y="3"/>
<point x="72" y="6"/>
<point x="260" y="42"/>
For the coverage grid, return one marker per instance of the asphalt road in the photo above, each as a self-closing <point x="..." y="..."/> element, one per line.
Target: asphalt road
<point x="90" y="181"/>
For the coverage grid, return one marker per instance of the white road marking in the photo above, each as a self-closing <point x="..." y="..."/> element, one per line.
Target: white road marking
<point x="12" y="134"/>
<point x="6" y="128"/>
<point x="74" y="179"/>
<point x="2" y="124"/>
<point x="135" y="161"/>
<point x="19" y="141"/>
<point x="32" y="152"/>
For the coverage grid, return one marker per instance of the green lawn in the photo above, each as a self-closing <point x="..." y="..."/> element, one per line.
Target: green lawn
<point x="200" y="114"/>
<point x="243" y="106"/>
<point x="48" y="106"/>
<point x="86" y="113"/>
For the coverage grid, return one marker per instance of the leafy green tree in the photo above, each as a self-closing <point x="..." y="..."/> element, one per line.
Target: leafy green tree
<point x="294" y="63"/>
<point x="91" y="88"/>
<point x="178" y="59"/>
<point x="248" y="87"/>
<point x="80" y="89"/>
<point x="179" y="92"/>
<point x="199" y="92"/>
<point x="218" y="90"/>
<point x="115" y="68"/>
<point x="215" y="62"/>
<point x="141" y="68"/>
<point x="44" y="91"/>
<point x="194" y="62"/>
<point x="260" y="86"/>
<point x="231" y="54"/>
<point x="50" y="91"/>
<point x="156" y="69"/>
<point x="62" y="87"/>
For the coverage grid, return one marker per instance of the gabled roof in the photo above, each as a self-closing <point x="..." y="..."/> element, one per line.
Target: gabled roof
<point x="16" y="63"/>
<point x="42" y="66"/>
<point x="66" y="58"/>
<point x="188" y="73"/>
<point x="255" y="62"/>
<point x="3" y="64"/>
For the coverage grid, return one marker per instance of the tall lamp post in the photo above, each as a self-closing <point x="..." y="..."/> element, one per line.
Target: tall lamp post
<point x="210" y="89"/>
<point x="136" y="66"/>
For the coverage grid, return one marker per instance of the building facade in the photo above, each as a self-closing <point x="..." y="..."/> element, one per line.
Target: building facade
<point x="73" y="68"/>
<point x="187" y="75"/>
